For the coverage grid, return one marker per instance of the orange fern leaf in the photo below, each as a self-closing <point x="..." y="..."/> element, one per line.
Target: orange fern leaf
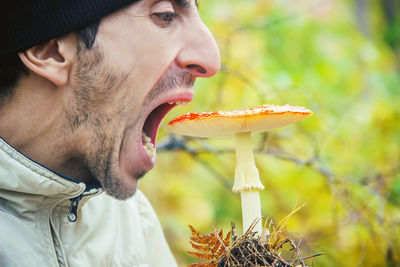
<point x="195" y="235"/>
<point x="202" y="256"/>
<point x="200" y="247"/>
<point x="209" y="247"/>
<point x="227" y="239"/>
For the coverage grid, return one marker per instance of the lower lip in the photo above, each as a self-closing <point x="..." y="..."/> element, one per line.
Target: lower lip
<point x="134" y="159"/>
<point x="147" y="162"/>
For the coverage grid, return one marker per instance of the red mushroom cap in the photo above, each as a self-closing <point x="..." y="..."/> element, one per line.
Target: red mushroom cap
<point x="227" y="123"/>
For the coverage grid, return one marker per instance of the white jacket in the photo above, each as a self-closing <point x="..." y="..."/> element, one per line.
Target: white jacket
<point x="35" y="230"/>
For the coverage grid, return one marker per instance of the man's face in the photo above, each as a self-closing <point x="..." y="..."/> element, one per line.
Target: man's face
<point x="144" y="61"/>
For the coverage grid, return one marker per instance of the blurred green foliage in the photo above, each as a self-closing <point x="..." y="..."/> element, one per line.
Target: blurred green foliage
<point x="340" y="59"/>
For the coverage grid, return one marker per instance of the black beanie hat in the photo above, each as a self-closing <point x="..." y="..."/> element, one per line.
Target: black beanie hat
<point x="25" y="23"/>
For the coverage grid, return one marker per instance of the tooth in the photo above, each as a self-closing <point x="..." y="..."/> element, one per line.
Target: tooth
<point x="151" y="154"/>
<point x="145" y="138"/>
<point x="148" y="146"/>
<point x="183" y="103"/>
<point x="150" y="151"/>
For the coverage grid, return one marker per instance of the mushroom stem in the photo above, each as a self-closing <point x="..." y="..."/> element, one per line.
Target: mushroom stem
<point x="251" y="210"/>
<point x="247" y="181"/>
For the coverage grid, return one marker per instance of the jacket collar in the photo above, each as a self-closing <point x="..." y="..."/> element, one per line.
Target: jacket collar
<point x="27" y="186"/>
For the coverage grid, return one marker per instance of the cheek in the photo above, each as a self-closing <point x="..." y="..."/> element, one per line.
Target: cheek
<point x="145" y="56"/>
<point x="140" y="81"/>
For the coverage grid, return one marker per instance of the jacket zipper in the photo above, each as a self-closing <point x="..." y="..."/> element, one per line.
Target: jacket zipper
<point x="71" y="214"/>
<point x="73" y="208"/>
<point x="72" y="217"/>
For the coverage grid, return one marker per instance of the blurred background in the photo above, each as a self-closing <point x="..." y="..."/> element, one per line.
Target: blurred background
<point x="340" y="58"/>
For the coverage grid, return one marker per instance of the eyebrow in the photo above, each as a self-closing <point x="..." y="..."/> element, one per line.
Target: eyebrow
<point x="185" y="3"/>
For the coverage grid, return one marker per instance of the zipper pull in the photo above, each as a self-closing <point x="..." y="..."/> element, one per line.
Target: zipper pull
<point x="73" y="209"/>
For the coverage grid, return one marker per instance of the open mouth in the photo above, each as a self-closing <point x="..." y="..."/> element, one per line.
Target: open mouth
<point x="151" y="124"/>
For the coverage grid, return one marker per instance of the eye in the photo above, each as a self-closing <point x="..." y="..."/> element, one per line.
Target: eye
<point x="163" y="12"/>
<point x="166" y="17"/>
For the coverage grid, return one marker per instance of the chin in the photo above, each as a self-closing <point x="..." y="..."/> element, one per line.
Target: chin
<point x="121" y="187"/>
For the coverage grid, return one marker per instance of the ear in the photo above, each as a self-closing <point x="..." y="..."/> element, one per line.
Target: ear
<point x="53" y="59"/>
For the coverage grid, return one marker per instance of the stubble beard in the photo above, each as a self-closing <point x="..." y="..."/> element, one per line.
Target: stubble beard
<point x="97" y="162"/>
<point x="94" y="82"/>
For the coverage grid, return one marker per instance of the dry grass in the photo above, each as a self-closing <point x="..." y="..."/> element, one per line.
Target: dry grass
<point x="249" y="249"/>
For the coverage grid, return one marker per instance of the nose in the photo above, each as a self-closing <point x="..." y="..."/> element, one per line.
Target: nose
<point x="200" y="54"/>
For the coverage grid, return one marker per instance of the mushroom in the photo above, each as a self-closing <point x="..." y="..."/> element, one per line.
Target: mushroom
<point x="241" y="124"/>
